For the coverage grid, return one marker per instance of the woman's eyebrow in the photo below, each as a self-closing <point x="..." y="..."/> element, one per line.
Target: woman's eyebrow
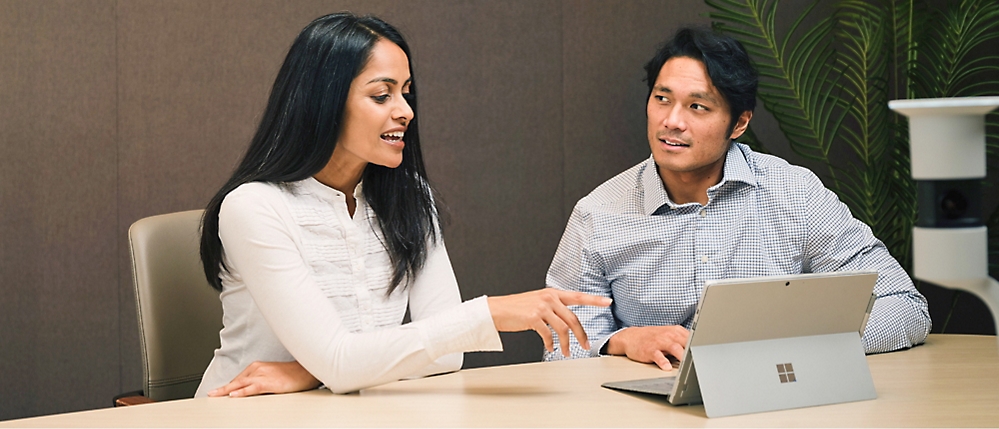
<point x="388" y="80"/>
<point x="383" y="79"/>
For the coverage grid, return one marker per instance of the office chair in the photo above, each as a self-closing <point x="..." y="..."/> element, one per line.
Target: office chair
<point x="179" y="314"/>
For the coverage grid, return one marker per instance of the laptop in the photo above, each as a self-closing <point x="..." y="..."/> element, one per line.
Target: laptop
<point x="773" y="343"/>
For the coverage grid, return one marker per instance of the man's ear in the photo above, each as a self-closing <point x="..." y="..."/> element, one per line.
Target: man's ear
<point x="741" y="124"/>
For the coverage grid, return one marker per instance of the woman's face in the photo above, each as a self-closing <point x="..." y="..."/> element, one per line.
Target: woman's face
<point x="377" y="114"/>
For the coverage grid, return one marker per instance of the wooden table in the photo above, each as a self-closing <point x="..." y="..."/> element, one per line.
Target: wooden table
<point x="952" y="380"/>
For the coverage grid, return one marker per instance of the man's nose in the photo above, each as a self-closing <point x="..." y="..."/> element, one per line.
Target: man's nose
<point x="674" y="118"/>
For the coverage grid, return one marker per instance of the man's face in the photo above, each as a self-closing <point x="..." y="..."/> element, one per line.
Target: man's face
<point x="689" y="120"/>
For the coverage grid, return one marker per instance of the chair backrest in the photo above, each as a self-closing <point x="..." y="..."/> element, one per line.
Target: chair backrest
<point x="179" y="314"/>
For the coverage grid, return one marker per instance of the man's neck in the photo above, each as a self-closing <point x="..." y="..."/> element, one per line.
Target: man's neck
<point x="690" y="186"/>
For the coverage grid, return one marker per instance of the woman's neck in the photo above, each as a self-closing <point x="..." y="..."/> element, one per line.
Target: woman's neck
<point x="343" y="173"/>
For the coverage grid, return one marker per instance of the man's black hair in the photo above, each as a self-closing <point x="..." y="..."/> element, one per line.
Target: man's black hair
<point x="728" y="64"/>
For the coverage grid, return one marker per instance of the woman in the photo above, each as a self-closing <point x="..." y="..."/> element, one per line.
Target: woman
<point x="327" y="232"/>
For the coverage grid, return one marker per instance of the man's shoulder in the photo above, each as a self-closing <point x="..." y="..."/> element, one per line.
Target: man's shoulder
<point x="617" y="194"/>
<point x="774" y="170"/>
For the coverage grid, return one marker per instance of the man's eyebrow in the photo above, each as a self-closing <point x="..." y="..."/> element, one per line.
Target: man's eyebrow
<point x="700" y="95"/>
<point x="704" y="96"/>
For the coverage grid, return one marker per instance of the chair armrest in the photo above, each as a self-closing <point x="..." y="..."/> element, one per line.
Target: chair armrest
<point x="131" y="398"/>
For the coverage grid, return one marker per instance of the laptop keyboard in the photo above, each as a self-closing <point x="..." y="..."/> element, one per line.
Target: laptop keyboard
<point x="655" y="386"/>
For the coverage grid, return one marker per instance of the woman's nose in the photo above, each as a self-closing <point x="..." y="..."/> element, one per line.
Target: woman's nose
<point x="403" y="110"/>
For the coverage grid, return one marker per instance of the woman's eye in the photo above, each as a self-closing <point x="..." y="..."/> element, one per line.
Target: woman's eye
<point x="380" y="98"/>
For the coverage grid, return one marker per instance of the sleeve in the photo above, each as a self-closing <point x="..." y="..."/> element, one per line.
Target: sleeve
<point x="576" y="268"/>
<point x="434" y="291"/>
<point x="839" y="242"/>
<point x="259" y="247"/>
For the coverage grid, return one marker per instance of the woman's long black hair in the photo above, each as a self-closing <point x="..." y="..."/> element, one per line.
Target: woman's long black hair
<point x="299" y="130"/>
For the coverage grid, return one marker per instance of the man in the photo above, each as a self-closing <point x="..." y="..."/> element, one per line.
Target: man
<point x="704" y="207"/>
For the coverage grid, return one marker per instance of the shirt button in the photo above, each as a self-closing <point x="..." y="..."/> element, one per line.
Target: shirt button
<point x="704" y="259"/>
<point x="703" y="213"/>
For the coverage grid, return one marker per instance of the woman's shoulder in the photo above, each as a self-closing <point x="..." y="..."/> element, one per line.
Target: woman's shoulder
<point x="254" y="199"/>
<point x="253" y="193"/>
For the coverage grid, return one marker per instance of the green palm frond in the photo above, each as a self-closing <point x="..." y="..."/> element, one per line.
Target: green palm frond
<point x="903" y="18"/>
<point x="949" y="68"/>
<point x="827" y="81"/>
<point x="803" y="101"/>
<point x="954" y="67"/>
<point x="863" y="37"/>
<point x="749" y="138"/>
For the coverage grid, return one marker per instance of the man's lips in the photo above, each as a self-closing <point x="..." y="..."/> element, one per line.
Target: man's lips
<point x="673" y="142"/>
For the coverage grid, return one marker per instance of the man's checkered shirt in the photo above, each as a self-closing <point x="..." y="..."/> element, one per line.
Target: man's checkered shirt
<point x="626" y="240"/>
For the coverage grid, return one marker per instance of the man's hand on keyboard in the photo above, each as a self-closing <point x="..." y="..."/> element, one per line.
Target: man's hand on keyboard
<point x="650" y="344"/>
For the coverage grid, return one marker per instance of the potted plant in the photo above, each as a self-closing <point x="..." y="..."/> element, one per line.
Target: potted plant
<point x="827" y="72"/>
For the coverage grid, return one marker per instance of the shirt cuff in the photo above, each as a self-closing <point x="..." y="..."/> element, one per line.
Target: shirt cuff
<point x="467" y="327"/>
<point x="597" y="349"/>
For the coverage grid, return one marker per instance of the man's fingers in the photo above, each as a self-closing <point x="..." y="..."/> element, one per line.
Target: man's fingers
<point x="676" y="350"/>
<point x="681" y="335"/>
<point x="660" y="359"/>
<point x="580" y="298"/>
<point x="678" y="341"/>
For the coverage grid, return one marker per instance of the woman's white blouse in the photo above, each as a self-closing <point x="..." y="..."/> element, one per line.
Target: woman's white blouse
<point x="307" y="282"/>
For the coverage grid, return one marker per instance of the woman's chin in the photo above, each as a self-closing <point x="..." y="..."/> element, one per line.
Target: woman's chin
<point x="390" y="163"/>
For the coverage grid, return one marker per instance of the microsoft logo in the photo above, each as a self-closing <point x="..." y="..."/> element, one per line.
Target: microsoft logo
<point x="786" y="373"/>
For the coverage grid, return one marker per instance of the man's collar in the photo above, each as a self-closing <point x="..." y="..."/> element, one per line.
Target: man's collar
<point x="736" y="169"/>
<point x="654" y="193"/>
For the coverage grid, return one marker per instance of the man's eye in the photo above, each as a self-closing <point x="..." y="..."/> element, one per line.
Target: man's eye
<point x="662" y="98"/>
<point x="380" y="98"/>
<point x="698" y="107"/>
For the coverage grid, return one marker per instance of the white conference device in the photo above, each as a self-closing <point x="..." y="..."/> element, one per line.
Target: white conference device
<point x="950" y="240"/>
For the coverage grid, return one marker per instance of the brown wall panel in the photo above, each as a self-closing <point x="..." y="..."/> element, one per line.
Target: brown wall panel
<point x="189" y="107"/>
<point x="114" y="110"/>
<point x="489" y="82"/>
<point x="194" y="77"/>
<point x="606" y="47"/>
<point x="58" y="251"/>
